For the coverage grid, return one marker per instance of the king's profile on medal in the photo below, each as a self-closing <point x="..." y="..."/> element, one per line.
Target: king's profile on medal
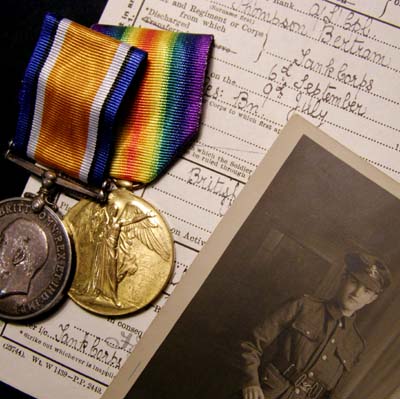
<point x="23" y="252"/>
<point x="317" y="340"/>
<point x="96" y="110"/>
<point x="35" y="258"/>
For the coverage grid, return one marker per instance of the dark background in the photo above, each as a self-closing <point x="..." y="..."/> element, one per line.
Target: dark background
<point x="20" y="29"/>
<point x="293" y="243"/>
<point x="22" y="20"/>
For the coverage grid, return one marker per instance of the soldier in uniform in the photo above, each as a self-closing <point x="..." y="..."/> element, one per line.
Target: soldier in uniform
<point x="303" y="349"/>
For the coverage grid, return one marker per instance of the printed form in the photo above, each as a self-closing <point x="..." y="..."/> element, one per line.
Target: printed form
<point x="337" y="63"/>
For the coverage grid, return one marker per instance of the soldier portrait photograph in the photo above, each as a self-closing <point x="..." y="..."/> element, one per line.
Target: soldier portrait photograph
<point x="319" y="341"/>
<point x="303" y="302"/>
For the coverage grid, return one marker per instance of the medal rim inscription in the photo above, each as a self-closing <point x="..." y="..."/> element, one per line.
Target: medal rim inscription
<point x="115" y="311"/>
<point x="57" y="296"/>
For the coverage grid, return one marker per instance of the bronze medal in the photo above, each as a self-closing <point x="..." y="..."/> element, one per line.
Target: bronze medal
<point x="124" y="253"/>
<point x="35" y="259"/>
<point x="73" y="122"/>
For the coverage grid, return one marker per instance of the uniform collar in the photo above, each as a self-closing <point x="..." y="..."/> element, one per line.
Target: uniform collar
<point x="334" y="311"/>
<point x="337" y="315"/>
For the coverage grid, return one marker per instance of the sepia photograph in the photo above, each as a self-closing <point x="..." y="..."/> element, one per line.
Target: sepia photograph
<point x="303" y="301"/>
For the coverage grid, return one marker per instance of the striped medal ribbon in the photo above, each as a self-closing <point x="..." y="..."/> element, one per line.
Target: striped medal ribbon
<point x="165" y="115"/>
<point x="125" y="251"/>
<point x="72" y="89"/>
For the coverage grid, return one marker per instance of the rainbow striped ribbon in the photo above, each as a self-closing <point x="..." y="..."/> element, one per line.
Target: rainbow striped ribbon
<point x="72" y="89"/>
<point x="165" y="113"/>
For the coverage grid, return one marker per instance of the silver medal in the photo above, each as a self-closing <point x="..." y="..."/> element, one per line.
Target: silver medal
<point x="35" y="258"/>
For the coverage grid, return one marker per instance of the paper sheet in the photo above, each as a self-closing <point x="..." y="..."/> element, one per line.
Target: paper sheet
<point x="335" y="63"/>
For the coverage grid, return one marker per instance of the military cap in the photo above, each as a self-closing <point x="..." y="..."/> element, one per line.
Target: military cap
<point x="369" y="270"/>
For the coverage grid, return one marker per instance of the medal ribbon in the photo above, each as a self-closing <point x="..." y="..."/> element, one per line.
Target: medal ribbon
<point x="165" y="113"/>
<point x="72" y="89"/>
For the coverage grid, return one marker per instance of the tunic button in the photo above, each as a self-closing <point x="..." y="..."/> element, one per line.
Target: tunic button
<point x="340" y="324"/>
<point x="333" y="340"/>
<point x="308" y="332"/>
<point x="324" y="357"/>
<point x="344" y="361"/>
<point x="311" y="374"/>
<point x="297" y="391"/>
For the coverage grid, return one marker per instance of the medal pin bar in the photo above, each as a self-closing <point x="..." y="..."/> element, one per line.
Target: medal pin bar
<point x="73" y="88"/>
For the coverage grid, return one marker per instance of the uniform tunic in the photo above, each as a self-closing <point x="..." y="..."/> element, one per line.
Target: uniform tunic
<point x="312" y="335"/>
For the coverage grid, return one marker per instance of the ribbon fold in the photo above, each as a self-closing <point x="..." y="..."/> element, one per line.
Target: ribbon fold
<point x="165" y="114"/>
<point x="75" y="83"/>
<point x="72" y="89"/>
